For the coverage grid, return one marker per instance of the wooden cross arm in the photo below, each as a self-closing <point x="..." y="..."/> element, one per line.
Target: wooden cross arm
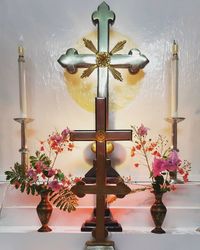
<point x="110" y="135"/>
<point x="119" y="135"/>
<point x="83" y="135"/>
<point x="120" y="190"/>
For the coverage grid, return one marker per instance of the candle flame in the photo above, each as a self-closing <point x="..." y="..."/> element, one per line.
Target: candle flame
<point x="20" y="51"/>
<point x="175" y="48"/>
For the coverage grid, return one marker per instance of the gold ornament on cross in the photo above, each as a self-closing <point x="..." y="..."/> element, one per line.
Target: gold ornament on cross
<point x="103" y="59"/>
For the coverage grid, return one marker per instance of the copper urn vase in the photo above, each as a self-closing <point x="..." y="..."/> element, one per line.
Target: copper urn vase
<point x="158" y="213"/>
<point x="44" y="210"/>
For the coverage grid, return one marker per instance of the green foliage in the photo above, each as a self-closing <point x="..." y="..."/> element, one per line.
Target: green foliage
<point x="42" y="176"/>
<point x="16" y="175"/>
<point x="64" y="199"/>
<point x="39" y="157"/>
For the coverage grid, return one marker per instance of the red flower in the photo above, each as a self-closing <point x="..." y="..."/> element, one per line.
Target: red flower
<point x="136" y="165"/>
<point x="156" y="153"/>
<point x="181" y="171"/>
<point x="138" y="147"/>
<point x="77" y="179"/>
<point x="185" y="177"/>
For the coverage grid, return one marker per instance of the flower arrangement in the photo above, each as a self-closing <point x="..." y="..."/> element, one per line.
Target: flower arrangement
<point x="42" y="176"/>
<point x="159" y="158"/>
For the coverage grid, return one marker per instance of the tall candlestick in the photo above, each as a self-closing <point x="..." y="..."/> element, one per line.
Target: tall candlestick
<point x="22" y="83"/>
<point x="174" y="81"/>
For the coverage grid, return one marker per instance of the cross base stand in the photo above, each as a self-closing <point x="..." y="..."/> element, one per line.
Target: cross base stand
<point x="92" y="245"/>
<point x="110" y="224"/>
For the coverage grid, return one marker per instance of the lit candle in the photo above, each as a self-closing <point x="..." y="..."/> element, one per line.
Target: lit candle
<point x="174" y="81"/>
<point x="22" y="83"/>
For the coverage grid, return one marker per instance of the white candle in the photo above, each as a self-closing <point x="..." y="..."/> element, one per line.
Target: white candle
<point x="22" y="83"/>
<point x="174" y="81"/>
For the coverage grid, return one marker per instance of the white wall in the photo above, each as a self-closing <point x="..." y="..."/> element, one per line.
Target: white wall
<point x="51" y="27"/>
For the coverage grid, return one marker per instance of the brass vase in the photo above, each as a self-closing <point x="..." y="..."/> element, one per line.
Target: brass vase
<point x="158" y="213"/>
<point x="44" y="210"/>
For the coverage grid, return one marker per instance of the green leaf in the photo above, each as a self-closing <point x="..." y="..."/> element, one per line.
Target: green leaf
<point x="28" y="189"/>
<point x="61" y="176"/>
<point x="8" y="177"/>
<point x="22" y="187"/>
<point x="12" y="181"/>
<point x="32" y="189"/>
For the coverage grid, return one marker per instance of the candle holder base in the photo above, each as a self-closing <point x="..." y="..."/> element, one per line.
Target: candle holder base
<point x="23" y="120"/>
<point x="174" y="179"/>
<point x="175" y="119"/>
<point x="23" y="150"/>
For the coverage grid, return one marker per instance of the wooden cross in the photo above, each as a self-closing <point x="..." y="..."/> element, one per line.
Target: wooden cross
<point x="100" y="135"/>
<point x="102" y="59"/>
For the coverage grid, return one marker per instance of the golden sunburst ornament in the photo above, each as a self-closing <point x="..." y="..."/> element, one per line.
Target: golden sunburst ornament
<point x="103" y="59"/>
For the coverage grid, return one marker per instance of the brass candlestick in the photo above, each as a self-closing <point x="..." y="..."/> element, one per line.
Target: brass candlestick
<point x="24" y="149"/>
<point x="174" y="121"/>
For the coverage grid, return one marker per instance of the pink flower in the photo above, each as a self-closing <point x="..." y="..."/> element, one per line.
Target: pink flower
<point x="158" y="166"/>
<point x="56" y="138"/>
<point x="40" y="166"/>
<point x="51" y="172"/>
<point x="32" y="174"/>
<point x="173" y="158"/>
<point x="55" y="186"/>
<point x="142" y="130"/>
<point x="65" y="132"/>
<point x="173" y="161"/>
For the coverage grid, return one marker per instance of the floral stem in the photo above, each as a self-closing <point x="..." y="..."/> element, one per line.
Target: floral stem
<point x="144" y="151"/>
<point x="54" y="160"/>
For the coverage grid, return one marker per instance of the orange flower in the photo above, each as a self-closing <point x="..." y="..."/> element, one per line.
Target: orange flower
<point x="132" y="151"/>
<point x="70" y="146"/>
<point x="138" y="147"/>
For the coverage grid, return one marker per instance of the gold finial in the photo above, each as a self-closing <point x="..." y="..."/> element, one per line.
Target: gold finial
<point x="175" y="48"/>
<point x="109" y="147"/>
<point x="20" y="51"/>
